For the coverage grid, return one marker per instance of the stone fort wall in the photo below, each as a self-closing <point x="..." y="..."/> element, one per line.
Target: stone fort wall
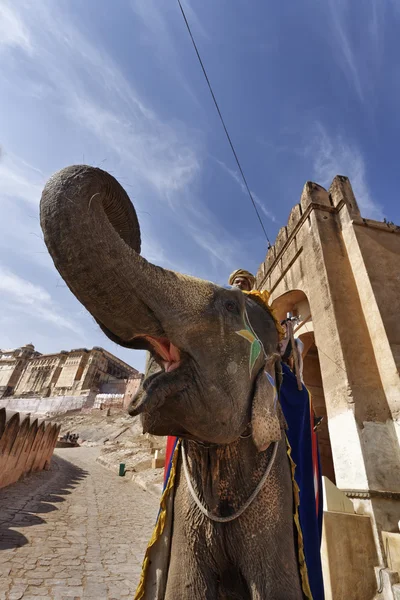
<point x="48" y="406"/>
<point x="339" y="272"/>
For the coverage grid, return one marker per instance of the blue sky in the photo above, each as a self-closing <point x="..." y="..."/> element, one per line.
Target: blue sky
<point x="308" y="90"/>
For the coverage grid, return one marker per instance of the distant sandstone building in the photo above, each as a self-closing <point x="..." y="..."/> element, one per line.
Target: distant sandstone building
<point x="25" y="372"/>
<point x="340" y="274"/>
<point x="132" y="387"/>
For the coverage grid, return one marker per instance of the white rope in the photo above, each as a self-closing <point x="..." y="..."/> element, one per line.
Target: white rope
<point x="245" y="506"/>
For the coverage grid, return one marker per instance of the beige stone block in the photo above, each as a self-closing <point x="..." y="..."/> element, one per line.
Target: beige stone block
<point x="396" y="591"/>
<point x="334" y="499"/>
<point x="294" y="218"/>
<point x="349" y="557"/>
<point x="312" y="192"/>
<point x="341" y="191"/>
<point x="391" y="544"/>
<point x="157" y="461"/>
<point x="281" y="239"/>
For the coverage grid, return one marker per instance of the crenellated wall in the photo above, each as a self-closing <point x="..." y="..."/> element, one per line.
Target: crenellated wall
<point x="26" y="445"/>
<point x="339" y="273"/>
<point x="314" y="197"/>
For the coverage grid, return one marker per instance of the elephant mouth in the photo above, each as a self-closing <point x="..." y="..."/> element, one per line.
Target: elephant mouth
<point x="168" y="354"/>
<point x="164" y="383"/>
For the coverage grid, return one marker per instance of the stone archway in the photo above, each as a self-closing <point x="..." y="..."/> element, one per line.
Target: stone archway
<point x="296" y="303"/>
<point x="313" y="381"/>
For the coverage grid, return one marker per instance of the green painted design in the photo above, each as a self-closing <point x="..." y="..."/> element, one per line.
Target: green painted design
<point x="249" y="334"/>
<point x="254" y="353"/>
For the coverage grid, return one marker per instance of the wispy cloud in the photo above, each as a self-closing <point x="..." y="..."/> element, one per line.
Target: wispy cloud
<point x="21" y="237"/>
<point x="20" y="192"/>
<point x="23" y="297"/>
<point x="19" y="179"/>
<point x="343" y="43"/>
<point x="157" y="33"/>
<point x="163" y="158"/>
<point x="96" y="96"/>
<point x="222" y="251"/>
<point x="157" y="155"/>
<point x="13" y="32"/>
<point x="357" y="33"/>
<point x="333" y="155"/>
<point x="236" y="177"/>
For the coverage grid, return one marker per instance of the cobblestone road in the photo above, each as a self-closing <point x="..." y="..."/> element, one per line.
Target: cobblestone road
<point x="76" y="531"/>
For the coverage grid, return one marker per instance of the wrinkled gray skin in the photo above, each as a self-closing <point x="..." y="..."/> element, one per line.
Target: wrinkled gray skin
<point x="92" y="233"/>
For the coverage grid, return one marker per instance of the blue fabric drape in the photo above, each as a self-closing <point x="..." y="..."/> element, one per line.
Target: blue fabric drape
<point x="296" y="406"/>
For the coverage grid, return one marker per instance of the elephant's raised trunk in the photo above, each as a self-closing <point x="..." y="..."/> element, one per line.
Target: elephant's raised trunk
<point x="92" y="233"/>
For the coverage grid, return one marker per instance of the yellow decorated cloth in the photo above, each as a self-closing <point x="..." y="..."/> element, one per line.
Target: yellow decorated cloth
<point x="263" y="298"/>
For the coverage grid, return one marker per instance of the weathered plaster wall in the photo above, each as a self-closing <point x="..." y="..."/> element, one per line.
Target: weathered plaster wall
<point x="312" y="254"/>
<point x="26" y="444"/>
<point x="117" y="386"/>
<point x="131" y="389"/>
<point x="47" y="406"/>
<point x="6" y="372"/>
<point x="312" y="259"/>
<point x="40" y="374"/>
<point x="374" y="252"/>
<point x="12" y="364"/>
<point x="108" y="401"/>
<point x="95" y="369"/>
<point x="381" y="252"/>
<point x="73" y="373"/>
<point x="72" y="369"/>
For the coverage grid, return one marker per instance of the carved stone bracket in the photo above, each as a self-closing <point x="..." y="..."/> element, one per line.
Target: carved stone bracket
<point x="368" y="494"/>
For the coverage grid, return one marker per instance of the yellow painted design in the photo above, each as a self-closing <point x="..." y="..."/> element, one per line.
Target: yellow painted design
<point x="255" y="344"/>
<point x="247" y="335"/>
<point x="301" y="556"/>
<point x="159" y="528"/>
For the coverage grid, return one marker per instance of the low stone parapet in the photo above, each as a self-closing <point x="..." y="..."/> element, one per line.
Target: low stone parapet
<point x="47" y="406"/>
<point x="26" y="445"/>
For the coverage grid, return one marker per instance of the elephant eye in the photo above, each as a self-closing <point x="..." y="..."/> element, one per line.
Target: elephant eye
<point x="231" y="306"/>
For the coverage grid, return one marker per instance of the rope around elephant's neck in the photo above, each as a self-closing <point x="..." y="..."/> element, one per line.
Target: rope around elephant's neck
<point x="245" y="506"/>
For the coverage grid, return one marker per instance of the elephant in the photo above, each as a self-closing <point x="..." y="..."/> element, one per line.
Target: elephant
<point x="212" y="379"/>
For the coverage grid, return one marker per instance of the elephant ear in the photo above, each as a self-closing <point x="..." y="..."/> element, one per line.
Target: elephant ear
<point x="267" y="419"/>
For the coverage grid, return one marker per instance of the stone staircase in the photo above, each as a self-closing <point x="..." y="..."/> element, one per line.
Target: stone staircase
<point x="388" y="579"/>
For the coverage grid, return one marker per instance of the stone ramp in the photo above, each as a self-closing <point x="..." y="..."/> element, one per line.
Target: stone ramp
<point x="75" y="531"/>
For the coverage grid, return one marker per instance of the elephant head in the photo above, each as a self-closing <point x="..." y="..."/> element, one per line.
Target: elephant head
<point x="210" y="345"/>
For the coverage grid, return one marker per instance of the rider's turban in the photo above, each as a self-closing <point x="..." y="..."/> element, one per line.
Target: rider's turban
<point x="242" y="273"/>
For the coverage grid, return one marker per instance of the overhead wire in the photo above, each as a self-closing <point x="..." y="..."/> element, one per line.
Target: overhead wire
<point x="233" y="148"/>
<point x="223" y="122"/>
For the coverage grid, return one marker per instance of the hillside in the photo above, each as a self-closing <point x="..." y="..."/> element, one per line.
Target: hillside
<point x="121" y="440"/>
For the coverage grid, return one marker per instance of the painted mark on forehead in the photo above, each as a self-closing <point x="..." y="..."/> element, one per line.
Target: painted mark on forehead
<point x="232" y="368"/>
